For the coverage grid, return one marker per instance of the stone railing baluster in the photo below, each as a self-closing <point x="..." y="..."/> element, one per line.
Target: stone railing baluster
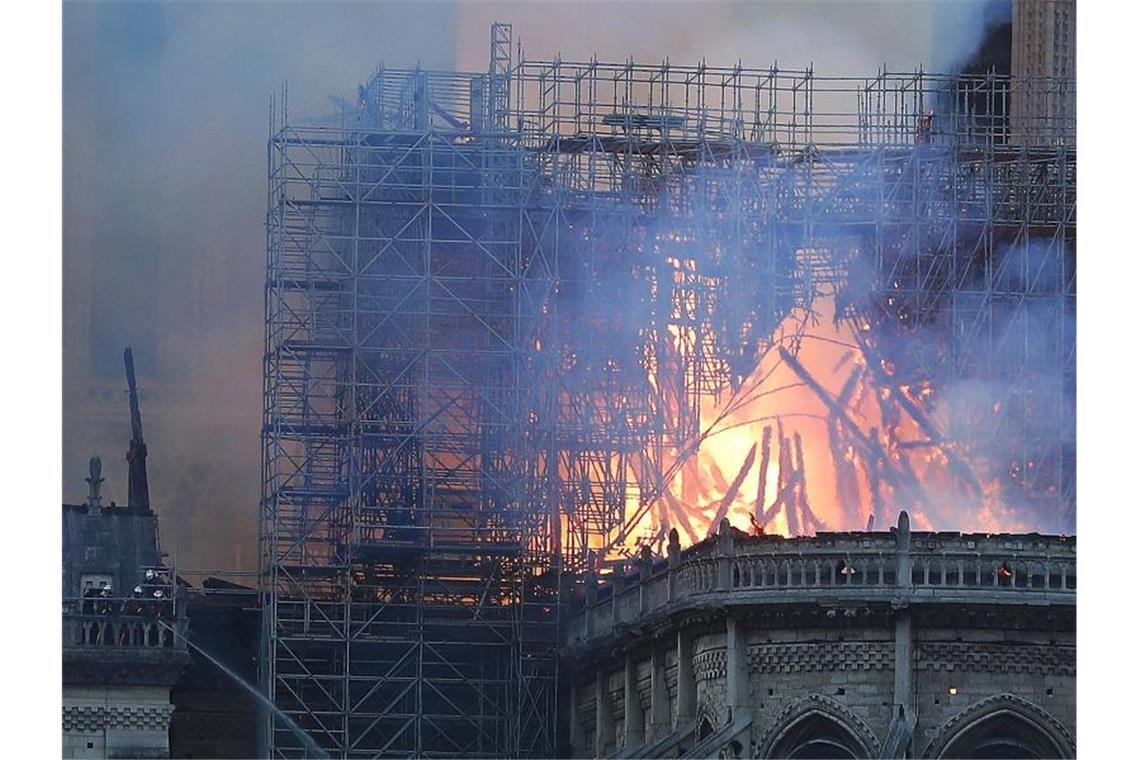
<point x="729" y="563"/>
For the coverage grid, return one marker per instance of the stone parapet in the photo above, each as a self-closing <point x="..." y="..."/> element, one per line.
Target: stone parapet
<point x="897" y="566"/>
<point x="889" y="644"/>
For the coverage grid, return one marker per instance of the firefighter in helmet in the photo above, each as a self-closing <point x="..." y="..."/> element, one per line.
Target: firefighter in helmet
<point x="134" y="605"/>
<point x="105" y="604"/>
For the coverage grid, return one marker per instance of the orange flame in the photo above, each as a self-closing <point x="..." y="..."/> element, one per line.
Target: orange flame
<point x="819" y="472"/>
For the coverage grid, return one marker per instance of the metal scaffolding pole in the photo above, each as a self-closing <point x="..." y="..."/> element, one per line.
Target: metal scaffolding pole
<point x="495" y="305"/>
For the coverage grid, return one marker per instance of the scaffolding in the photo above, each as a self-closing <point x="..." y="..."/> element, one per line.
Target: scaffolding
<point x="495" y="301"/>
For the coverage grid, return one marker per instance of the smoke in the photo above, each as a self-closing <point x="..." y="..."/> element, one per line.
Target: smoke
<point x="165" y="123"/>
<point x="993" y="50"/>
<point x="1018" y="411"/>
<point x="840" y="38"/>
<point x="979" y="336"/>
<point x="991" y="331"/>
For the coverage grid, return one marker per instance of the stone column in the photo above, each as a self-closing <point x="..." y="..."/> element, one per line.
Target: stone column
<point x="736" y="668"/>
<point x="904" y="661"/>
<point x="686" y="683"/>
<point x="904" y="637"/>
<point x="604" y="716"/>
<point x="634" y="715"/>
<point x="591" y="597"/>
<point x="617" y="585"/>
<point x="658" y="696"/>
<point x="674" y="562"/>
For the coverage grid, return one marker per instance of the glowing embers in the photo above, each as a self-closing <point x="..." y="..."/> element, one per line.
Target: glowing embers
<point x="826" y="434"/>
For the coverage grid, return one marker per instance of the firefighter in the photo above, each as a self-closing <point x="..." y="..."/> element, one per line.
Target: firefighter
<point x="105" y="605"/>
<point x="134" y="605"/>
<point x="154" y="602"/>
<point x="160" y="604"/>
<point x="923" y="127"/>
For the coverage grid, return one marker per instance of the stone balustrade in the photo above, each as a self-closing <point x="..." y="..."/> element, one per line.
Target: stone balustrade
<point x="122" y="631"/>
<point x="899" y="566"/>
<point x="152" y="621"/>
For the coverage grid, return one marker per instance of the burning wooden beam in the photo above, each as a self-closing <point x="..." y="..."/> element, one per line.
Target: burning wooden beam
<point x="846" y="483"/>
<point x="730" y="494"/>
<point x="849" y="386"/>
<point x="788" y="480"/>
<point x="808" y="514"/>
<point x="765" y="458"/>
<point x="844" y="359"/>
<point x="688" y="471"/>
<point x="846" y="480"/>
<point x="681" y="515"/>
<point x="870" y="445"/>
<point x="801" y="478"/>
<point x="773" y="509"/>
<point x="957" y="465"/>
<point x="717" y="476"/>
<point x="875" y="484"/>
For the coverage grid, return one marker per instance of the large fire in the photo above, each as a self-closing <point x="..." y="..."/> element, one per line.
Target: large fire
<point x="823" y="437"/>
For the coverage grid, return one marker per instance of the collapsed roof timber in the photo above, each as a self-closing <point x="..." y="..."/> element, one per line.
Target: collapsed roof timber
<point x="498" y="305"/>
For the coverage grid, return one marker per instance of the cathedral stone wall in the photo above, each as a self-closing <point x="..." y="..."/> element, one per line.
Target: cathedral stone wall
<point x="116" y="721"/>
<point x="930" y="659"/>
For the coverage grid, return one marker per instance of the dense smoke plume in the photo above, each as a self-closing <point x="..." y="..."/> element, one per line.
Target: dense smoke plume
<point x="840" y="38"/>
<point x="166" y="115"/>
<point x="164" y="191"/>
<point x="956" y="398"/>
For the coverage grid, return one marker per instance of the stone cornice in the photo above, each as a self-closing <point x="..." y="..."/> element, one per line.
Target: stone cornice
<point x="90" y="718"/>
<point x="993" y="658"/>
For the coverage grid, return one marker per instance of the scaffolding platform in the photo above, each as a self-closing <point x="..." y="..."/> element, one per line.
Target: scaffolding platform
<point x="496" y="303"/>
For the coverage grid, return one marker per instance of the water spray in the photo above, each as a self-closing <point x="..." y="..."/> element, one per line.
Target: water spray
<point x="310" y="743"/>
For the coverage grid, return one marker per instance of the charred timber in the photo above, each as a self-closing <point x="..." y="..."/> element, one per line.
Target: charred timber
<point x="869" y="445"/>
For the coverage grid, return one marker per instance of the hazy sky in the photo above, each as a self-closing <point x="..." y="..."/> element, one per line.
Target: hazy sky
<point x="851" y="37"/>
<point x="165" y="127"/>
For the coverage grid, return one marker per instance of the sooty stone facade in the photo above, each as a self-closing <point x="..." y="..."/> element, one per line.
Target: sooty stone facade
<point x="888" y="644"/>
